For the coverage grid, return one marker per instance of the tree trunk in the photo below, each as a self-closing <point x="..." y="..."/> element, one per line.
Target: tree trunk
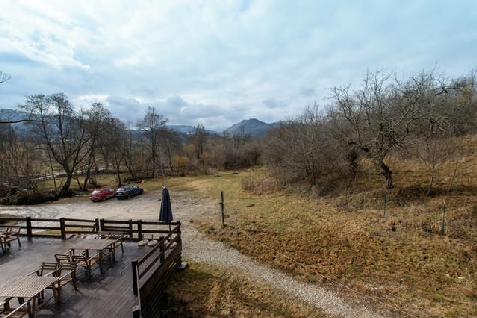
<point x="65" y="190"/>
<point x="387" y="175"/>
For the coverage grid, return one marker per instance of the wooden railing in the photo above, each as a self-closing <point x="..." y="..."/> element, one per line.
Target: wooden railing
<point x="152" y="273"/>
<point x="134" y="230"/>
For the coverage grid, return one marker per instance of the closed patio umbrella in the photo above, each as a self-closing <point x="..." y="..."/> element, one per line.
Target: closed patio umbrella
<point x="165" y="212"/>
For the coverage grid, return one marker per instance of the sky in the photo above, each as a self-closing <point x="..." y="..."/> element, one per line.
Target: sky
<point x="216" y="63"/>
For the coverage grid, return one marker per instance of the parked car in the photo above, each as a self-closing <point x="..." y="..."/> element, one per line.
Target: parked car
<point x="126" y="192"/>
<point x="102" y="194"/>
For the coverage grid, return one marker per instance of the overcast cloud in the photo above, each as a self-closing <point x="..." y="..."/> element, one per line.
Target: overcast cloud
<point x="218" y="62"/>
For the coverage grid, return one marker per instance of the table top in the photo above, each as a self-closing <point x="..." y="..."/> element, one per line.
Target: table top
<point x="91" y="244"/>
<point x="25" y="286"/>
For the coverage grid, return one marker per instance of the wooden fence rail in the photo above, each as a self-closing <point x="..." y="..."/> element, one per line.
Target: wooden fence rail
<point x="133" y="230"/>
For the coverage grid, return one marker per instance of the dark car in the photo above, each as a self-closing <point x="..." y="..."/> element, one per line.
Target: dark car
<point x="126" y="192"/>
<point x="102" y="194"/>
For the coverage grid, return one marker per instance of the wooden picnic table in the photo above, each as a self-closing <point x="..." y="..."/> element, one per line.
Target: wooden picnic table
<point x="29" y="287"/>
<point x="98" y="245"/>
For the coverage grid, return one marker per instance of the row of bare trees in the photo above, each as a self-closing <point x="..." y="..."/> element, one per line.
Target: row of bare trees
<point x="77" y="145"/>
<point x="383" y="115"/>
<point x="416" y="115"/>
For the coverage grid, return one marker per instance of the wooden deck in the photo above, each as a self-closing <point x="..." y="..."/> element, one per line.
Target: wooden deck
<point x="107" y="294"/>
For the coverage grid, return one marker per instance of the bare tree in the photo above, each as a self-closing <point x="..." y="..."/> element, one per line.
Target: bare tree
<point x="96" y="125"/>
<point x="63" y="131"/>
<point x="117" y="147"/>
<point x="198" y="139"/>
<point x="151" y="126"/>
<point x="301" y="150"/>
<point x="378" y="118"/>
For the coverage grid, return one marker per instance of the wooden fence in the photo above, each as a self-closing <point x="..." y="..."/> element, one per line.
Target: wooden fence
<point x="150" y="274"/>
<point x="133" y="230"/>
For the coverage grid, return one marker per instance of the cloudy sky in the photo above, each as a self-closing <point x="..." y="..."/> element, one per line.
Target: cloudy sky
<point x="218" y="62"/>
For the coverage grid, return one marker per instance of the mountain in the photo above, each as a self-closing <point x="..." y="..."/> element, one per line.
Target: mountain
<point x="182" y="128"/>
<point x="187" y="129"/>
<point x="252" y="126"/>
<point x="12" y="115"/>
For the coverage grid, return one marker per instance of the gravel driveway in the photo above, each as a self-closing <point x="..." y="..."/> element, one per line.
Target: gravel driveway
<point x="196" y="247"/>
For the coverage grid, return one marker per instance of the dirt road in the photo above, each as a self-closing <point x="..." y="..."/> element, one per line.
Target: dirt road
<point x="197" y="247"/>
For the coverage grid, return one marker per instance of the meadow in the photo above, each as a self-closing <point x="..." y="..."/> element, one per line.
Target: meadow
<point x="403" y="250"/>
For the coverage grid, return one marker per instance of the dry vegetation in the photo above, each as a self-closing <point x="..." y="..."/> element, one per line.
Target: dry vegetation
<point x="204" y="291"/>
<point x="361" y="240"/>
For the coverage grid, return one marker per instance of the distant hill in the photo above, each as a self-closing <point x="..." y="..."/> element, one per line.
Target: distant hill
<point x="252" y="126"/>
<point x="12" y="115"/>
<point x="187" y="129"/>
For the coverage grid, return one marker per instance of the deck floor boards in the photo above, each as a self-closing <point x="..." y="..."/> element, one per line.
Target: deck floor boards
<point x="107" y="294"/>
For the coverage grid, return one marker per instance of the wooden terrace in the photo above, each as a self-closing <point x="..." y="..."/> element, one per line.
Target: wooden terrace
<point x="110" y="292"/>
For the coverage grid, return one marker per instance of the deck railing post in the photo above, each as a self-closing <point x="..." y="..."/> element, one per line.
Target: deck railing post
<point x="139" y="230"/>
<point x="96" y="226"/>
<point x="63" y="228"/>
<point x="101" y="224"/>
<point x="29" y="230"/>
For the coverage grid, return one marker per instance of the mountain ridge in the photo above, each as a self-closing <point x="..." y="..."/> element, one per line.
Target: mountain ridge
<point x="252" y="126"/>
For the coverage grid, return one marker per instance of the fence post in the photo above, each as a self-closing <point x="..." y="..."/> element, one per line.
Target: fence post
<point x="222" y="207"/>
<point x="28" y="224"/>
<point x="101" y="224"/>
<point x="96" y="226"/>
<point x="139" y="230"/>
<point x="63" y="229"/>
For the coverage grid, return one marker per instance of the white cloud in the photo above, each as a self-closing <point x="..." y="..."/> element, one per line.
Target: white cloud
<point x="218" y="62"/>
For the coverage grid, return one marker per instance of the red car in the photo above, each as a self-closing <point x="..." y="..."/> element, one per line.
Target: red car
<point x="102" y="194"/>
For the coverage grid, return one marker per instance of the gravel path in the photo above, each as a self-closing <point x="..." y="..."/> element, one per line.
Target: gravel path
<point x="197" y="247"/>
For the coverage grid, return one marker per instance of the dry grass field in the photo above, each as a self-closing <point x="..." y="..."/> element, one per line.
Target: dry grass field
<point x="385" y="247"/>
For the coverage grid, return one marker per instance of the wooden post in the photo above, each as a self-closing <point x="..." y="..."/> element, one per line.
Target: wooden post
<point x="139" y="230"/>
<point x="63" y="229"/>
<point x="222" y="207"/>
<point x="29" y="230"/>
<point x="101" y="224"/>
<point x="443" y="227"/>
<point x="96" y="226"/>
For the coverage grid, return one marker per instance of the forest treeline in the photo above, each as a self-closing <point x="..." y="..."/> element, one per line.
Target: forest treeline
<point x="416" y="117"/>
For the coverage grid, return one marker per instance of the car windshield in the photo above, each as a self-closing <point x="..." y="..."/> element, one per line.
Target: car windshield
<point x="96" y="192"/>
<point x="122" y="189"/>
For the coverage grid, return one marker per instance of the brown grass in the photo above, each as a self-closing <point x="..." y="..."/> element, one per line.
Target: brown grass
<point x="384" y="246"/>
<point x="204" y="291"/>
